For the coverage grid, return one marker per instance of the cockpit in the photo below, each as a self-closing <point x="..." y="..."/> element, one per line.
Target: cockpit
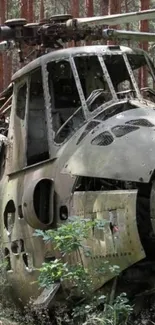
<point x="62" y="91"/>
<point x="86" y="83"/>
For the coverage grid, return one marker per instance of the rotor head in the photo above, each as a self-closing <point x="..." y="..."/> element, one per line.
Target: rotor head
<point x="59" y="29"/>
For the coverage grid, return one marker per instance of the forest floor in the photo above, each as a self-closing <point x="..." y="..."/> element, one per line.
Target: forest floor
<point x="144" y="311"/>
<point x="144" y="314"/>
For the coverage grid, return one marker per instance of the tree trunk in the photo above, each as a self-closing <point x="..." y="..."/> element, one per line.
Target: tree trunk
<point x="24" y="9"/>
<point x="2" y="57"/>
<point x="42" y="11"/>
<point x="75" y="8"/>
<point x="30" y="11"/>
<point x="89" y="12"/>
<point x="144" y="27"/>
<point x="104" y="7"/>
<point x="89" y="8"/>
<point x="114" y="8"/>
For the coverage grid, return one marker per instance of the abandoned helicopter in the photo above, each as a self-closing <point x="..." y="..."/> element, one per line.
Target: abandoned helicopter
<point x="80" y="141"/>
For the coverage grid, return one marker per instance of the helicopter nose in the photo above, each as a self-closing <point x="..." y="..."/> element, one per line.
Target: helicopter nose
<point x="119" y="151"/>
<point x="123" y="152"/>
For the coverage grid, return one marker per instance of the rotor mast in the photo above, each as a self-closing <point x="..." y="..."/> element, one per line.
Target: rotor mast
<point x="65" y="28"/>
<point x="56" y="31"/>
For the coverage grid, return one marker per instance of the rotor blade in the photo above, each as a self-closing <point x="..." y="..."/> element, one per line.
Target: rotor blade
<point x="128" y="35"/>
<point x="112" y="20"/>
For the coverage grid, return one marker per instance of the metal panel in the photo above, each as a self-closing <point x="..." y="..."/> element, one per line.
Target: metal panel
<point x="120" y="247"/>
<point x="130" y="156"/>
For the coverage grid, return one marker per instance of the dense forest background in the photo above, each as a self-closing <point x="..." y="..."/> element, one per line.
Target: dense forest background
<point x="34" y="10"/>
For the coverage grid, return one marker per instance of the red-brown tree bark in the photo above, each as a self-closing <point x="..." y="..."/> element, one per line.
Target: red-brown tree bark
<point x="2" y="57"/>
<point x="75" y="13"/>
<point x="24" y="9"/>
<point x="144" y="27"/>
<point x="114" y="8"/>
<point x="7" y="57"/>
<point x="89" y="8"/>
<point x="127" y="25"/>
<point x="75" y="8"/>
<point x="30" y="10"/>
<point x="89" y="4"/>
<point x="42" y="10"/>
<point x="104" y="7"/>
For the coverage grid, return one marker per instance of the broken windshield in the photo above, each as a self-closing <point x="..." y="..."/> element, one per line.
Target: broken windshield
<point x="125" y="71"/>
<point x="100" y="80"/>
<point x="94" y="84"/>
<point x="94" y="78"/>
<point x="122" y="78"/>
<point x="143" y="69"/>
<point x="67" y="112"/>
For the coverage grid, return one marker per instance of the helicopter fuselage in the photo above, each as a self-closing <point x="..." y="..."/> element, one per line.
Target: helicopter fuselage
<point x="80" y="142"/>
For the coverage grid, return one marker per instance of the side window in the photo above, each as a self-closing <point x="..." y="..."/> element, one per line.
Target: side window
<point x="65" y="100"/>
<point x="21" y="101"/>
<point x="37" y="140"/>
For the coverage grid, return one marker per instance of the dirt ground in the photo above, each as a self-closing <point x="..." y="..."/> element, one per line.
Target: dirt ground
<point x="4" y="321"/>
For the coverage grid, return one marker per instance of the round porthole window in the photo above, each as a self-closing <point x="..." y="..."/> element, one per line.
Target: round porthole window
<point x="9" y="216"/>
<point x="38" y="203"/>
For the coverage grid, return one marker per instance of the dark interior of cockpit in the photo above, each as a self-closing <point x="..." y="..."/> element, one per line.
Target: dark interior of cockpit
<point x="92" y="79"/>
<point x="62" y="85"/>
<point x="119" y="73"/>
<point x="65" y="99"/>
<point x="64" y="90"/>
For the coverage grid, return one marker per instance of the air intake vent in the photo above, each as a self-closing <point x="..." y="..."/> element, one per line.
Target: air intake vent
<point x="88" y="128"/>
<point x="140" y="122"/>
<point x="121" y="130"/>
<point x="103" y="139"/>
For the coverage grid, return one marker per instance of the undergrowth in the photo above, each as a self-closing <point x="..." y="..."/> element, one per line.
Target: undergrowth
<point x="90" y="308"/>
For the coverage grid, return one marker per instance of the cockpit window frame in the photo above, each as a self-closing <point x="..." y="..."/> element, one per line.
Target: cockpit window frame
<point x="71" y="59"/>
<point x="108" y="80"/>
<point x="87" y="113"/>
<point x="50" y="103"/>
<point x="150" y="65"/>
<point x="131" y="74"/>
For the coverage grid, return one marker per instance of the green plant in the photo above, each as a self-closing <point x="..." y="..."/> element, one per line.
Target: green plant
<point x="67" y="239"/>
<point x="100" y="312"/>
